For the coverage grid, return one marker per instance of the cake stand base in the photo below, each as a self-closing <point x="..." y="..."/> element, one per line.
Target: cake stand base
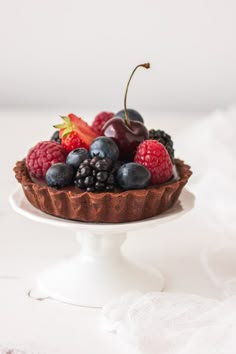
<point x="99" y="272"/>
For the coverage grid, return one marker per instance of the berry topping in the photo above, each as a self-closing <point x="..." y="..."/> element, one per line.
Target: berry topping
<point x="133" y="176"/>
<point x="154" y="156"/>
<point x="77" y="156"/>
<point x="72" y="141"/>
<point x="164" y="139"/>
<point x="55" y="137"/>
<point x="100" y="120"/>
<point x="72" y="123"/>
<point x="42" y="156"/>
<point x="133" y="115"/>
<point x="104" y="147"/>
<point x="60" y="175"/>
<point x="96" y="174"/>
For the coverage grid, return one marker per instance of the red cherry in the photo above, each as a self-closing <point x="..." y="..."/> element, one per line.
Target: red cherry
<point x="128" y="134"/>
<point x="126" y="138"/>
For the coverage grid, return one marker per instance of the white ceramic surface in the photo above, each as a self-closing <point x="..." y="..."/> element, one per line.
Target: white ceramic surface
<point x="99" y="272"/>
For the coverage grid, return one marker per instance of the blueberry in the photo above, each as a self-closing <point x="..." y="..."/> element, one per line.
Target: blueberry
<point x="55" y="137"/>
<point x="133" y="176"/>
<point x="105" y="148"/>
<point x="76" y="156"/>
<point x="59" y="175"/>
<point x="133" y="115"/>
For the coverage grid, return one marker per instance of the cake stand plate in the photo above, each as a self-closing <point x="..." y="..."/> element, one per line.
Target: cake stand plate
<point x="99" y="272"/>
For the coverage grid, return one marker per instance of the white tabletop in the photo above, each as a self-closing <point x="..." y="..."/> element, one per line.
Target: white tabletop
<point x="26" y="248"/>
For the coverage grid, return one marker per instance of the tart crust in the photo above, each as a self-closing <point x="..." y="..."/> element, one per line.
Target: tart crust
<point x="110" y="207"/>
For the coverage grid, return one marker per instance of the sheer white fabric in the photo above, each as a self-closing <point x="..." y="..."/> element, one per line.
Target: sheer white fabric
<point x="209" y="147"/>
<point x="212" y="154"/>
<point x="173" y="323"/>
<point x="219" y="261"/>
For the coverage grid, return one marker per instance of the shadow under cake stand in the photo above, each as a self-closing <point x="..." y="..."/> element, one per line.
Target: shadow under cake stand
<point x="99" y="272"/>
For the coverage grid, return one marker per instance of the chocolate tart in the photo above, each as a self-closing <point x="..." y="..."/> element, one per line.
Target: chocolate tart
<point x="110" y="207"/>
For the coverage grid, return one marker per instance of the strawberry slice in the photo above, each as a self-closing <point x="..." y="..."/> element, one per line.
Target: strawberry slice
<point x="72" y="141"/>
<point x="86" y="133"/>
<point x="72" y="123"/>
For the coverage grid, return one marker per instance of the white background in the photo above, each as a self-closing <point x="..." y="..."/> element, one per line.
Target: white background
<point x="78" y="54"/>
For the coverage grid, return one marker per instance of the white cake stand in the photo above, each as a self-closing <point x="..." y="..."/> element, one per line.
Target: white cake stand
<point x="99" y="272"/>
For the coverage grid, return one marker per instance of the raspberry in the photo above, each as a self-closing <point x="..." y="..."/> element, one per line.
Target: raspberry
<point x="154" y="156"/>
<point x="100" y="120"/>
<point x="42" y="156"/>
<point x="164" y="139"/>
<point x="72" y="141"/>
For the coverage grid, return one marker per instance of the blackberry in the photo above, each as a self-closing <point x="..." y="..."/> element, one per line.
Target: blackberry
<point x="55" y="137"/>
<point x="164" y="139"/>
<point x="96" y="175"/>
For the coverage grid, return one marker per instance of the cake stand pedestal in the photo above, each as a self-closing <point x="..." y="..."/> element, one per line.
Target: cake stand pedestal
<point x="99" y="272"/>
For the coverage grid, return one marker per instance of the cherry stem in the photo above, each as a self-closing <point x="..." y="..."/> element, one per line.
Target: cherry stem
<point x="146" y="66"/>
